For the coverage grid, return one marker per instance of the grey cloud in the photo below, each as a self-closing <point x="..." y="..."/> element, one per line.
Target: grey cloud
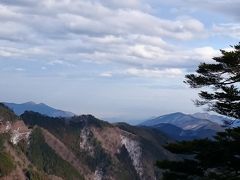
<point x="229" y="7"/>
<point x="224" y="7"/>
<point x="93" y="31"/>
<point x="227" y="29"/>
<point x="19" y="2"/>
<point x="58" y="16"/>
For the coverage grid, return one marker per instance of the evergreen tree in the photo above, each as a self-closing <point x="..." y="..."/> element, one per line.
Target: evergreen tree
<point x="223" y="78"/>
<point x="217" y="159"/>
<point x="206" y="159"/>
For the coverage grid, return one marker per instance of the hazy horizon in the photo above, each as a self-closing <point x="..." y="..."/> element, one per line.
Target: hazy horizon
<point x="112" y="59"/>
<point x="133" y="121"/>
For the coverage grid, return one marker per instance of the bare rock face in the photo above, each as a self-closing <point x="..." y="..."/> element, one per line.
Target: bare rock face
<point x="4" y="126"/>
<point x="113" y="139"/>
<point x="135" y="153"/>
<point x="98" y="174"/>
<point x="17" y="129"/>
<point x="85" y="137"/>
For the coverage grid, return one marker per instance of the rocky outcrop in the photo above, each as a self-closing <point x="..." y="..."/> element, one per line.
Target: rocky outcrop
<point x="135" y="153"/>
<point x="17" y="130"/>
<point x="85" y="139"/>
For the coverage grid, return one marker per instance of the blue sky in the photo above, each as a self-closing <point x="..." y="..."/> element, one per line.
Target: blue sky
<point x="110" y="58"/>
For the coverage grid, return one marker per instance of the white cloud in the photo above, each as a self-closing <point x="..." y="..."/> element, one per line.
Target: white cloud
<point x="10" y="52"/>
<point x="227" y="29"/>
<point x="146" y="73"/>
<point x="143" y="51"/>
<point x="155" y="73"/>
<point x="7" y="13"/>
<point x="106" y="74"/>
<point x="20" y="69"/>
<point x="13" y="31"/>
<point x="124" y="22"/>
<point x="206" y="53"/>
<point x="60" y="62"/>
<point x="96" y="31"/>
<point x="54" y="62"/>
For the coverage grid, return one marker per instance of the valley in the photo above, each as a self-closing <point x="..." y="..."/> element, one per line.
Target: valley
<point x="81" y="146"/>
<point x="40" y="146"/>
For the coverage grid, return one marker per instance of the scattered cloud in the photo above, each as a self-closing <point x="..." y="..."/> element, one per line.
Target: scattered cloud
<point x="61" y="63"/>
<point x="227" y="29"/>
<point x="155" y="73"/>
<point x="106" y="74"/>
<point x="146" y="73"/>
<point x="20" y="69"/>
<point x="131" y="33"/>
<point x="206" y="53"/>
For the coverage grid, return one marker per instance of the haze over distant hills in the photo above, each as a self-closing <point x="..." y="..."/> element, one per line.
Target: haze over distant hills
<point x="177" y="125"/>
<point x="182" y="126"/>
<point x="40" y="108"/>
<point x="182" y="120"/>
<point x="214" y="118"/>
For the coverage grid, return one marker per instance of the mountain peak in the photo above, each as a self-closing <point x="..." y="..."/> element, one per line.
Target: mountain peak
<point x="34" y="103"/>
<point x="42" y="104"/>
<point x="175" y="114"/>
<point x="184" y="121"/>
<point x="30" y="103"/>
<point x="40" y="108"/>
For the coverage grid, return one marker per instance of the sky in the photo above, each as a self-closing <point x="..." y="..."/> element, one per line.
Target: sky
<point x="117" y="60"/>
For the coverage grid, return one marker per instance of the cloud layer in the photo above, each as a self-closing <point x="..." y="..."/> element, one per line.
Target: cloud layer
<point x="129" y="33"/>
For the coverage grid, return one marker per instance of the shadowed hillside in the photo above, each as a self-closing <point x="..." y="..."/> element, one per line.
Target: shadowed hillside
<point x="103" y="150"/>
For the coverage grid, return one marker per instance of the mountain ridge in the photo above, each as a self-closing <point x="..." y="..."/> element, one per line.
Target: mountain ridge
<point x="38" y="107"/>
<point x="184" y="121"/>
<point x="182" y="126"/>
<point x="80" y="147"/>
<point x="98" y="148"/>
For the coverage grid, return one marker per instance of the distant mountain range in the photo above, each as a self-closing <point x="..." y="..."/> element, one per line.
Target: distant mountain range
<point x="214" y="118"/>
<point x="187" y="121"/>
<point x="182" y="126"/>
<point x="40" y="108"/>
<point x="178" y="125"/>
